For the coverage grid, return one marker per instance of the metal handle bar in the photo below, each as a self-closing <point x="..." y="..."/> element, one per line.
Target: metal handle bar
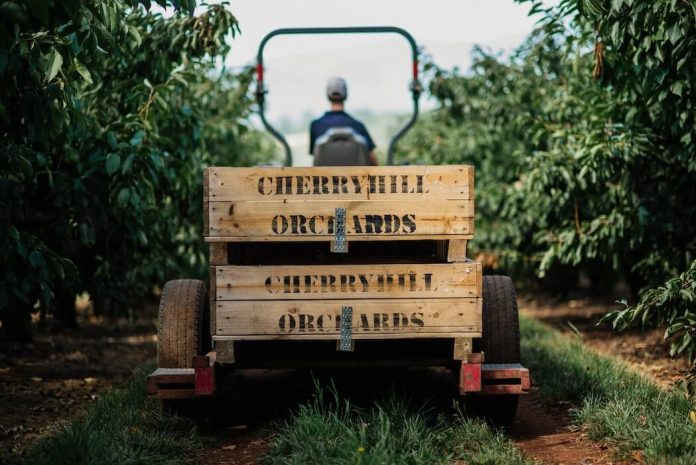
<point x="261" y="90"/>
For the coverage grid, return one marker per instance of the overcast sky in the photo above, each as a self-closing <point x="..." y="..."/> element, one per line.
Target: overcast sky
<point x="377" y="67"/>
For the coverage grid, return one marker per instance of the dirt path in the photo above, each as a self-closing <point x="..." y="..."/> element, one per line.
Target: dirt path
<point x="64" y="373"/>
<point x="543" y="433"/>
<point x="646" y="351"/>
<point x="57" y="376"/>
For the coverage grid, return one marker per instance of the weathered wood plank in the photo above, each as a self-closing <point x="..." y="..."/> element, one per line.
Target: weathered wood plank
<point x="212" y="308"/>
<point x="213" y="239"/>
<point x="218" y="254"/>
<point x="225" y="351"/>
<point x="456" y="250"/>
<point x="463" y="347"/>
<point x="441" y="250"/>
<point x="445" y="333"/>
<point x="370" y="317"/>
<point x="440" y="280"/>
<point x="314" y="220"/>
<point x="176" y="394"/>
<point x="341" y="183"/>
<point x="206" y="200"/>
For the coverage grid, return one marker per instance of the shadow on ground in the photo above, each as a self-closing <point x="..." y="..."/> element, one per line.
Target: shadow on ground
<point x="255" y="397"/>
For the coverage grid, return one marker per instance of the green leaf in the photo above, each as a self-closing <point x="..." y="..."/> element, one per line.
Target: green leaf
<point x="677" y="88"/>
<point x="104" y="35"/>
<point x="674" y="33"/>
<point x="14" y="233"/>
<point x="128" y="164"/>
<point x="137" y="138"/>
<point x="54" y="61"/>
<point x="36" y="259"/>
<point x="84" y="72"/>
<point x="25" y="166"/>
<point x="136" y="35"/>
<point x="113" y="161"/>
<point x="680" y="345"/>
<point x="123" y="196"/>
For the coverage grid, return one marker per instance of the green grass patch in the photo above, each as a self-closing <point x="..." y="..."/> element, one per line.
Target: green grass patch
<point x="330" y="430"/>
<point x="612" y="402"/>
<point x="122" y="427"/>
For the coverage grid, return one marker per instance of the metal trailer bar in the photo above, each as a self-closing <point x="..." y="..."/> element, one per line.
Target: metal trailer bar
<point x="261" y="90"/>
<point x="493" y="378"/>
<point x="184" y="383"/>
<point x="199" y="381"/>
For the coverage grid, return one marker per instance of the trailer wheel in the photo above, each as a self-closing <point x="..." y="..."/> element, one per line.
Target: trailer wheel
<point x="500" y="343"/>
<point x="181" y="332"/>
<point x="181" y="313"/>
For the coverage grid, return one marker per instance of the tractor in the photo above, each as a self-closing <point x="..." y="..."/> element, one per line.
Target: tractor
<point x="341" y="266"/>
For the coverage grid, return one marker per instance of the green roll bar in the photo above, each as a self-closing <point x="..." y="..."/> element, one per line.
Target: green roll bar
<point x="261" y="90"/>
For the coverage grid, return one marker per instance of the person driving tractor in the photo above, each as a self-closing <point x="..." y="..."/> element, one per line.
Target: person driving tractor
<point x="336" y="138"/>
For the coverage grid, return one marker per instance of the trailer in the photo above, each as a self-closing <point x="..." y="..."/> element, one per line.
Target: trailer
<point x="331" y="267"/>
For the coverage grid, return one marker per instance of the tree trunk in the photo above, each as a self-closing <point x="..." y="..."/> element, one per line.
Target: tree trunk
<point x="16" y="325"/>
<point x="63" y="309"/>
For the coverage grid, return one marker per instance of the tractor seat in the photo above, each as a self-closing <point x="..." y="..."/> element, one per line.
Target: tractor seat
<point x="341" y="147"/>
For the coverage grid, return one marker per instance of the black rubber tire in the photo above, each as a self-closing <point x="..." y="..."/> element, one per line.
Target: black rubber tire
<point x="181" y="334"/>
<point x="181" y="317"/>
<point x="500" y="343"/>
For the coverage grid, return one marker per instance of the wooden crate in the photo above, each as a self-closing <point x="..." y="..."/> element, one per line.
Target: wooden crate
<point x="299" y="204"/>
<point x="438" y="299"/>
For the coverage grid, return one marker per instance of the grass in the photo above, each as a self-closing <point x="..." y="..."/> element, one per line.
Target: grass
<point x="123" y="427"/>
<point x="612" y="402"/>
<point x="333" y="431"/>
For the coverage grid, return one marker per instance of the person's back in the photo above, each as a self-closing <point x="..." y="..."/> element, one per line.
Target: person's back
<point x="337" y="138"/>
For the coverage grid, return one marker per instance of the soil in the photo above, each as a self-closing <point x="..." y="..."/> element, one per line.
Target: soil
<point x="55" y="377"/>
<point x="645" y="351"/>
<point x="544" y="434"/>
<point x="60" y="372"/>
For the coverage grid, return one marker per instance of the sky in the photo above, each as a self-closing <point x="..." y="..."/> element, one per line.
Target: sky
<point x="376" y="67"/>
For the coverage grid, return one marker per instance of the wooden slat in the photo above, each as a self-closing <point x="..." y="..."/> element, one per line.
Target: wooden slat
<point x="456" y="250"/>
<point x="206" y="199"/>
<point x="172" y="375"/>
<point x="300" y="238"/>
<point x="441" y="249"/>
<point x="218" y="254"/>
<point x="313" y="220"/>
<point x="371" y="318"/>
<point x="212" y="308"/>
<point x="355" y="282"/>
<point x="462" y="348"/>
<point x="445" y="333"/>
<point x="176" y="394"/>
<point x="225" y="351"/>
<point x="342" y="183"/>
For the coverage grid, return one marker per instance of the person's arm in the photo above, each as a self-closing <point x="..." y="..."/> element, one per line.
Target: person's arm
<point x="311" y="138"/>
<point x="372" y="157"/>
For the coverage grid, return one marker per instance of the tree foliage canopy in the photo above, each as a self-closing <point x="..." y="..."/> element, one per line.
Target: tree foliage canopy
<point x="108" y="115"/>
<point x="575" y="168"/>
<point x="584" y="143"/>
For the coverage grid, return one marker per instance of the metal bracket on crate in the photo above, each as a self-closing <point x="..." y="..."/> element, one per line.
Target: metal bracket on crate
<point x="339" y="244"/>
<point x="346" y="341"/>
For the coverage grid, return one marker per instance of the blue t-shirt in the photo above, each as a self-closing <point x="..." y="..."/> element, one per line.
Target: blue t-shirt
<point x="337" y="119"/>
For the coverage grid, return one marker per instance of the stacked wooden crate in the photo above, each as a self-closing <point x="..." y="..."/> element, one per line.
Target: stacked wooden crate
<point x="301" y="294"/>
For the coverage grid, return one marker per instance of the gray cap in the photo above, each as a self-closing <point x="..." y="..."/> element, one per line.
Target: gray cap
<point x="337" y="89"/>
